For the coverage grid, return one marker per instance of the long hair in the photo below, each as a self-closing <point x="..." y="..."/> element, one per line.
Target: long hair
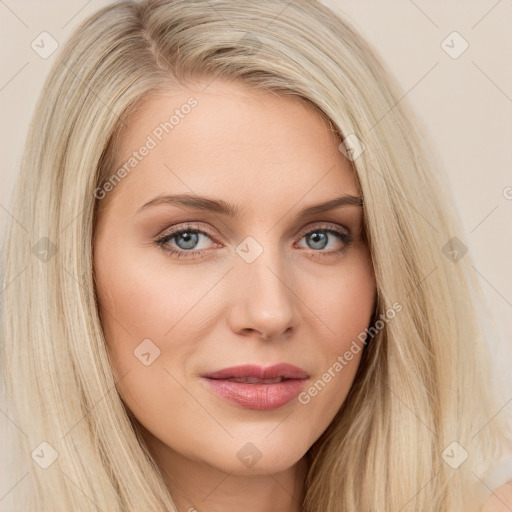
<point x="421" y="396"/>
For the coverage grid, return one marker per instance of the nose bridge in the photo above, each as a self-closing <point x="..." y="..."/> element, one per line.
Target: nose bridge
<point x="263" y="298"/>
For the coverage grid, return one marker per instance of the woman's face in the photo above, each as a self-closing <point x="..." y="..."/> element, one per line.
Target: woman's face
<point x="257" y="274"/>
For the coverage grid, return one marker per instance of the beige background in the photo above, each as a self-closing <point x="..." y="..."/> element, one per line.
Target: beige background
<point x="465" y="102"/>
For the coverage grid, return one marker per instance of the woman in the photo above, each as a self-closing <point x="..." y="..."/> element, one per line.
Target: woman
<point x="241" y="285"/>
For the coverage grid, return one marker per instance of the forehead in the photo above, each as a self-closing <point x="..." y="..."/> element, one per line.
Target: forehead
<point x="227" y="140"/>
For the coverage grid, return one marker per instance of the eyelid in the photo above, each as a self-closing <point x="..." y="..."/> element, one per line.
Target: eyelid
<point x="187" y="226"/>
<point x="325" y="226"/>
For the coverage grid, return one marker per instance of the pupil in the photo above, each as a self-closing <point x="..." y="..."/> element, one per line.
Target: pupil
<point x="190" y="240"/>
<point x="319" y="237"/>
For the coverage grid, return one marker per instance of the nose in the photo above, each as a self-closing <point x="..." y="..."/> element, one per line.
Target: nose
<point x="263" y="299"/>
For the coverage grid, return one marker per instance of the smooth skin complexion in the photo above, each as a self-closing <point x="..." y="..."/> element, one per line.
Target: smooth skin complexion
<point x="302" y="301"/>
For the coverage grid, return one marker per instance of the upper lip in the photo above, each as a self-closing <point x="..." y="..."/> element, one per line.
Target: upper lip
<point x="284" y="370"/>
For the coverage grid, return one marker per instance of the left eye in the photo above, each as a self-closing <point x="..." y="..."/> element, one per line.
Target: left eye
<point x="186" y="240"/>
<point x="189" y="238"/>
<point x="319" y="238"/>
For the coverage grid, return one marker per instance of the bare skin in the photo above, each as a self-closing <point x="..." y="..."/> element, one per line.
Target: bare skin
<point x="303" y="300"/>
<point x="500" y="500"/>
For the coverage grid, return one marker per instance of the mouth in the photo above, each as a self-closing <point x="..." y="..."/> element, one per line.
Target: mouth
<point x="258" y="388"/>
<point x="254" y="380"/>
<point x="251" y="371"/>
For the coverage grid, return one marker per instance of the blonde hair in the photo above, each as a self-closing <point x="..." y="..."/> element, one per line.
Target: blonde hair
<point x="423" y="382"/>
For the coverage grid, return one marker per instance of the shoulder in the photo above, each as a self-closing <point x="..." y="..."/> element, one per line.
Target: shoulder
<point x="500" y="500"/>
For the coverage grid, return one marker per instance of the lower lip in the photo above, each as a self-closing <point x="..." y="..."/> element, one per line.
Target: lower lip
<point x="262" y="397"/>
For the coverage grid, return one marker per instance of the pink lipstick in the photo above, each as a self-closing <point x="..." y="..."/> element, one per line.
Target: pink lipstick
<point x="255" y="387"/>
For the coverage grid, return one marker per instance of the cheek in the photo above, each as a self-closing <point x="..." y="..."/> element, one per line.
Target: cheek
<point x="138" y="307"/>
<point x="141" y="299"/>
<point x="345" y="304"/>
<point x="153" y="319"/>
<point x="344" y="301"/>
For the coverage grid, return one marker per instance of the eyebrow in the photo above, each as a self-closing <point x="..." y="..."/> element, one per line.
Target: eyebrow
<point x="224" y="208"/>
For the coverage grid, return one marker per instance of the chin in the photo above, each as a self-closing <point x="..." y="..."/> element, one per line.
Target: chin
<point x="259" y="457"/>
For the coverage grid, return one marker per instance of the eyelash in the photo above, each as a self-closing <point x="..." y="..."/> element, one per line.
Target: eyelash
<point x="194" y="254"/>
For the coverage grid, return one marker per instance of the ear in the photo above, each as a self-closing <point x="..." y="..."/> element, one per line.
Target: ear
<point x="500" y="500"/>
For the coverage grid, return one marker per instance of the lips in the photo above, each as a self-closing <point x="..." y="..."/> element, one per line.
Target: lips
<point x="282" y="371"/>
<point x="255" y="380"/>
<point x="254" y="387"/>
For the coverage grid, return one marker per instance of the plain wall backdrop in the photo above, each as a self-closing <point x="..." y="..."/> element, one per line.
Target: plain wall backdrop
<point x="453" y="60"/>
